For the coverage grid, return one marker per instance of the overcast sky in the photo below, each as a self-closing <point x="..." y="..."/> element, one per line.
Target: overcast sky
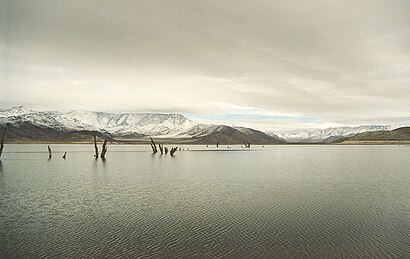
<point x="263" y="64"/>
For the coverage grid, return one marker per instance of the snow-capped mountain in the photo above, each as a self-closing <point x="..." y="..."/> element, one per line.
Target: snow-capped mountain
<point x="113" y="123"/>
<point x="201" y="130"/>
<point x="77" y="126"/>
<point x="134" y="125"/>
<point x="320" y="135"/>
<point x="15" y="111"/>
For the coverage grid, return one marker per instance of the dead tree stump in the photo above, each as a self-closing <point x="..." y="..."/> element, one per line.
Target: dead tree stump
<point x="2" y="141"/>
<point x="95" y="147"/>
<point x="104" y="149"/>
<point x="153" y="146"/>
<point x="173" y="150"/>
<point x="49" y="152"/>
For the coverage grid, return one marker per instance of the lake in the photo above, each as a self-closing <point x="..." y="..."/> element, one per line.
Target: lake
<point x="286" y="201"/>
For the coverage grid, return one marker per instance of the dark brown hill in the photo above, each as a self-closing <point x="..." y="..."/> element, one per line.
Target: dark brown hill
<point x="398" y="135"/>
<point x="29" y="133"/>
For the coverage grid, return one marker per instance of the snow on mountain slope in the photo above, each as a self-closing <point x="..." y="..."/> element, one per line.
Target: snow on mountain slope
<point x="199" y="130"/>
<point x="318" y="135"/>
<point x="230" y="134"/>
<point x="119" y="124"/>
<point x="15" y="111"/>
<point x="115" y="124"/>
<point x="159" y="125"/>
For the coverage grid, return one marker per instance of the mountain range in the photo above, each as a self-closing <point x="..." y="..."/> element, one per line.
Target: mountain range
<point x="24" y="125"/>
<point x="327" y="135"/>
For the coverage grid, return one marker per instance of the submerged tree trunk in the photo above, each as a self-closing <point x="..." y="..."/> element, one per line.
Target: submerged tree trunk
<point x="153" y="146"/>
<point x="2" y="141"/>
<point x="161" y="148"/>
<point x="166" y="150"/>
<point x="49" y="152"/>
<point x="173" y="150"/>
<point x="104" y="149"/>
<point x="95" y="147"/>
<point x="65" y="154"/>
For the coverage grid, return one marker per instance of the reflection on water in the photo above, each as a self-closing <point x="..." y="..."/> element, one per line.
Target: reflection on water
<point x="278" y="201"/>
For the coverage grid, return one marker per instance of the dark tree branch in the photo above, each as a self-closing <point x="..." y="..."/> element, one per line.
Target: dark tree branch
<point x="2" y="141"/>
<point x="95" y="147"/>
<point x="153" y="146"/>
<point x="173" y="150"/>
<point x="49" y="152"/>
<point x="104" y="149"/>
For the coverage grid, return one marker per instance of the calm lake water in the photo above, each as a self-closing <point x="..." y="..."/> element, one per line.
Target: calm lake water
<point x="276" y="201"/>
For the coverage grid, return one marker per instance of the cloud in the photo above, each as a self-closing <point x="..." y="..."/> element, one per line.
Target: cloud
<point x="339" y="62"/>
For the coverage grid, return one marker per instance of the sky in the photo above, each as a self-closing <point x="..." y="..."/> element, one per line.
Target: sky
<point x="262" y="64"/>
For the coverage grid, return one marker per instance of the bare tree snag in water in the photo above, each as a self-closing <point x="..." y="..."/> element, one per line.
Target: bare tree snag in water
<point x="65" y="154"/>
<point x="173" y="150"/>
<point x="161" y="148"/>
<point x="247" y="144"/>
<point x="166" y="150"/>
<point x="49" y="152"/>
<point x="95" y="147"/>
<point x="104" y="149"/>
<point x="153" y="146"/>
<point x="2" y="141"/>
<point x="217" y="144"/>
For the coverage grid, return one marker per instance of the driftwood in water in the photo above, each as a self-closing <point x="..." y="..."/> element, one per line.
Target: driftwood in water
<point x="49" y="152"/>
<point x="173" y="150"/>
<point x="104" y="149"/>
<point x="95" y="147"/>
<point x="153" y="146"/>
<point x="2" y="141"/>
<point x="166" y="150"/>
<point x="161" y="148"/>
<point x="65" y="154"/>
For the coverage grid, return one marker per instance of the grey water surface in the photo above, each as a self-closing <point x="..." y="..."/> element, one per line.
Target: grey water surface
<point x="274" y="202"/>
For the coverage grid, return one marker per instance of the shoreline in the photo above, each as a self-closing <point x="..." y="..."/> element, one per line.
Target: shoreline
<point x="344" y="143"/>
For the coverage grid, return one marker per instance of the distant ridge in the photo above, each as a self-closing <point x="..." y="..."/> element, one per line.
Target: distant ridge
<point x="29" y="133"/>
<point x="327" y="135"/>
<point x="400" y="135"/>
<point x="231" y="135"/>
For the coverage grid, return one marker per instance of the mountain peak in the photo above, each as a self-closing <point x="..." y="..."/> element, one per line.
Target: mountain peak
<point x="20" y="108"/>
<point x="15" y="111"/>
